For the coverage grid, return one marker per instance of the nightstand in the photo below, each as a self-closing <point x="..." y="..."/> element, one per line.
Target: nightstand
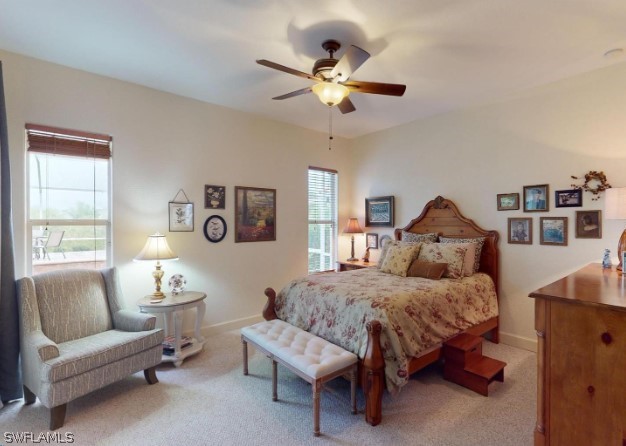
<point x="344" y="265"/>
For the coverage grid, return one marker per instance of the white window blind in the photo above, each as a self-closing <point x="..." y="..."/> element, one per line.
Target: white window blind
<point x="322" y="219"/>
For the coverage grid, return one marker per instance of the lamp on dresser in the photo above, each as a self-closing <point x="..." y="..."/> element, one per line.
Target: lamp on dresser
<point x="352" y="228"/>
<point x="616" y="210"/>
<point x="156" y="248"/>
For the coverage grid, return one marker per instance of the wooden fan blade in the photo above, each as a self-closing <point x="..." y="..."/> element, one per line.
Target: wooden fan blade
<point x="375" y="88"/>
<point x="346" y="106"/>
<point x="294" y="93"/>
<point x="267" y="63"/>
<point x="352" y="59"/>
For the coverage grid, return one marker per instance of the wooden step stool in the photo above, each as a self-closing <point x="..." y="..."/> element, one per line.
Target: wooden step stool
<point x="465" y="364"/>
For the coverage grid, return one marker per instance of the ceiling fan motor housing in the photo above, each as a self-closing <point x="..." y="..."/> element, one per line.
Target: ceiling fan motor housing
<point x="323" y="67"/>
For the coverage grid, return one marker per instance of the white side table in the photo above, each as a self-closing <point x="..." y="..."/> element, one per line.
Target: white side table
<point x="172" y="307"/>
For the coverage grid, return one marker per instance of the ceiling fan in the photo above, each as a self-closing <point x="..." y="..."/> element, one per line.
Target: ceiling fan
<point x="331" y="77"/>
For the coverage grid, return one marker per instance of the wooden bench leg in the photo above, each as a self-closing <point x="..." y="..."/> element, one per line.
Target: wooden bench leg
<point x="245" y="355"/>
<point x="317" y="387"/>
<point x="353" y="388"/>
<point x="150" y="375"/>
<point x="274" y="381"/>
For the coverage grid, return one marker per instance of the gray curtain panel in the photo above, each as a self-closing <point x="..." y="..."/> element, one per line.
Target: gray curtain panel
<point x="10" y="376"/>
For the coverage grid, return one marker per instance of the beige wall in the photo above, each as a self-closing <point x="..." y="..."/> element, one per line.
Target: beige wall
<point x="163" y="143"/>
<point x="544" y="136"/>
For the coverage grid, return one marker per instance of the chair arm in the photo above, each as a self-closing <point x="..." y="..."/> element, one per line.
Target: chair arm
<point x="38" y="347"/>
<point x="128" y="320"/>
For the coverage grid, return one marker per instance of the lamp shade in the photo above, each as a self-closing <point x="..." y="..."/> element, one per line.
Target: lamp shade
<point x="353" y="227"/>
<point x="330" y="93"/>
<point x="156" y="248"/>
<point x="615" y="208"/>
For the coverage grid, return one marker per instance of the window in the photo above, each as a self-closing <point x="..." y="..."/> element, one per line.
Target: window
<point x="68" y="199"/>
<point x="322" y="219"/>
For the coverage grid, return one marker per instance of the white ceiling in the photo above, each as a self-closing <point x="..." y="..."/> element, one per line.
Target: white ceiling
<point x="450" y="53"/>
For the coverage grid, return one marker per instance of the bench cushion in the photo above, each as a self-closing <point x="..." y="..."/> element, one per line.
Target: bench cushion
<point x="308" y="353"/>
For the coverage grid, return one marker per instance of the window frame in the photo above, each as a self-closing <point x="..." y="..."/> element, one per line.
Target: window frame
<point x="333" y="221"/>
<point x="31" y="223"/>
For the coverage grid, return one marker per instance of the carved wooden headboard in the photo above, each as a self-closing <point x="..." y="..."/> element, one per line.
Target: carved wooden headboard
<point x="442" y="216"/>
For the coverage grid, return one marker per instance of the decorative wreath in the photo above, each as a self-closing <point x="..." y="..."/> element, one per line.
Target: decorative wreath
<point x="595" y="182"/>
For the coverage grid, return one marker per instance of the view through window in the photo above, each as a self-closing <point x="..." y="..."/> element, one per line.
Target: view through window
<point x="322" y="219"/>
<point x="69" y="199"/>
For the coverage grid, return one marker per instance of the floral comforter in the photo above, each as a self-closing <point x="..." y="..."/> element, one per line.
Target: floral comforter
<point x="416" y="313"/>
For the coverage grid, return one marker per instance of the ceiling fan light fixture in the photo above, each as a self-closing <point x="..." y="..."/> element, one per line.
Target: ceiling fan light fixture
<point x="330" y="93"/>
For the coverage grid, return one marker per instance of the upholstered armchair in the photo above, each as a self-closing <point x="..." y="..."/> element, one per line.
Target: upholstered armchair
<point x="75" y="337"/>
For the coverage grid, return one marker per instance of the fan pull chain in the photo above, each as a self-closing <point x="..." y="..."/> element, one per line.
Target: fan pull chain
<point x="330" y="127"/>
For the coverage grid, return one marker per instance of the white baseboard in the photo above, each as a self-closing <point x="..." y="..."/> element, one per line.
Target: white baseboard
<point x="230" y="325"/>
<point x="518" y="341"/>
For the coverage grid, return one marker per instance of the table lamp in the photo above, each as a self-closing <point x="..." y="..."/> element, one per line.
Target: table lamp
<point x="352" y="228"/>
<point x="156" y="248"/>
<point x="616" y="210"/>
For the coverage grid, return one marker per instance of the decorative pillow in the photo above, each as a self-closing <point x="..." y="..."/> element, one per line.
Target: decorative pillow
<point x="470" y="258"/>
<point x="451" y="253"/>
<point x="383" y="252"/>
<point x="431" y="237"/>
<point x="480" y="241"/>
<point x="427" y="270"/>
<point x="399" y="257"/>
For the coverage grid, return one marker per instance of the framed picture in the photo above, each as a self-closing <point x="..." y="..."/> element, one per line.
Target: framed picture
<point x="521" y="231"/>
<point x="536" y="198"/>
<point x="214" y="197"/>
<point x="588" y="224"/>
<point x="371" y="240"/>
<point x="508" y="202"/>
<point x="568" y="198"/>
<point x="255" y="214"/>
<point x="215" y="228"/>
<point x="553" y="231"/>
<point x="181" y="216"/>
<point x="379" y="211"/>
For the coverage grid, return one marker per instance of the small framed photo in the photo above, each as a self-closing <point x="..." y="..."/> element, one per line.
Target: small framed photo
<point x="588" y="224"/>
<point x="214" y="197"/>
<point x="215" y="229"/>
<point x="553" y="231"/>
<point x="255" y="214"/>
<point x="181" y="216"/>
<point x="521" y="231"/>
<point x="371" y="240"/>
<point x="508" y="202"/>
<point x="379" y="211"/>
<point x="572" y="198"/>
<point x="536" y="198"/>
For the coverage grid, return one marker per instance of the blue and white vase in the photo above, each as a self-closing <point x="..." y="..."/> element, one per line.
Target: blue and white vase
<point x="606" y="260"/>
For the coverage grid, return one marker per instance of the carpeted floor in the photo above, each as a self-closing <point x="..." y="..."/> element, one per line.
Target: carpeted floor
<point x="208" y="401"/>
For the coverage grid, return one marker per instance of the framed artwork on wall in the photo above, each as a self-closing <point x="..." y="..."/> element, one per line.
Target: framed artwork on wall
<point x="588" y="224"/>
<point x="215" y="229"/>
<point x="214" y="197"/>
<point x="553" y="231"/>
<point x="536" y="198"/>
<point x="255" y="214"/>
<point x="568" y="198"/>
<point x="379" y="211"/>
<point x="371" y="240"/>
<point x="181" y="216"/>
<point x="508" y="202"/>
<point x="521" y="231"/>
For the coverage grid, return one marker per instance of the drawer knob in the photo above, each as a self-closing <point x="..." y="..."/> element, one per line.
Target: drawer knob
<point x="606" y="337"/>
<point x="591" y="390"/>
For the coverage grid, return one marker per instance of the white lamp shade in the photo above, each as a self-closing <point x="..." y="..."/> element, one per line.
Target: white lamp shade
<point x="330" y="93"/>
<point x="615" y="208"/>
<point x="156" y="248"/>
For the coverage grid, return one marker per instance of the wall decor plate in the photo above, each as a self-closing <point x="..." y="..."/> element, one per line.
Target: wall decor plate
<point x="215" y="228"/>
<point x="177" y="283"/>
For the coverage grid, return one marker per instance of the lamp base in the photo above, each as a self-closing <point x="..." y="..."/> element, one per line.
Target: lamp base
<point x="621" y="247"/>
<point x="352" y="259"/>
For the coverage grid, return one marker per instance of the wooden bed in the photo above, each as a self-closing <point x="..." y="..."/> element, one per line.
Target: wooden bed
<point x="441" y="216"/>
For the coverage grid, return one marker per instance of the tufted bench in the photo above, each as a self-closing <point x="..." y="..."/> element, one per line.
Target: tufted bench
<point x="310" y="357"/>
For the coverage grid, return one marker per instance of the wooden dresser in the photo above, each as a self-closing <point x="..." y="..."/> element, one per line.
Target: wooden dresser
<point x="581" y="359"/>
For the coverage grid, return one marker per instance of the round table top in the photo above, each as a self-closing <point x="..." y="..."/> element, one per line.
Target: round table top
<point x="171" y="300"/>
